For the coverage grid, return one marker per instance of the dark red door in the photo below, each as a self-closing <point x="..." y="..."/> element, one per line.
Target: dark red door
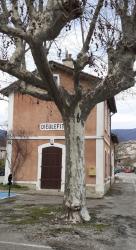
<point x="51" y="168"/>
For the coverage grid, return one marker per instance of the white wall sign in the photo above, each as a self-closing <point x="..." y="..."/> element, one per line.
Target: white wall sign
<point x="51" y="126"/>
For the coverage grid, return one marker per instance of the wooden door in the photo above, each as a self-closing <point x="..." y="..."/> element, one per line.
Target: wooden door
<point x="51" y="168"/>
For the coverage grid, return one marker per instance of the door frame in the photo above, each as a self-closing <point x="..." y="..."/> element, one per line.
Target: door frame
<point x="46" y="145"/>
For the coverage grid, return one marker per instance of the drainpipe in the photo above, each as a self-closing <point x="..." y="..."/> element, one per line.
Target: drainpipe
<point x="110" y="150"/>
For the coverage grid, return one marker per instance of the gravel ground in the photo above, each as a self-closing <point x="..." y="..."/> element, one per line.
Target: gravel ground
<point x="33" y="216"/>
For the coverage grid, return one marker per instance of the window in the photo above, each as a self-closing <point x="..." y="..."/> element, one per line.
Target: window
<point x="56" y="79"/>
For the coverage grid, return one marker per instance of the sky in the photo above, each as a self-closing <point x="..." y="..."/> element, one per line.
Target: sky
<point x="125" y="118"/>
<point x="3" y="114"/>
<point x="5" y="80"/>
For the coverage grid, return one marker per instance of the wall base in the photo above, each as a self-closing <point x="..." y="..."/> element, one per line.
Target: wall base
<point x="98" y="191"/>
<point x="92" y="191"/>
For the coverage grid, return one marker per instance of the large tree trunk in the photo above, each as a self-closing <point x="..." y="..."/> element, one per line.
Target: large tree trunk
<point x="75" y="190"/>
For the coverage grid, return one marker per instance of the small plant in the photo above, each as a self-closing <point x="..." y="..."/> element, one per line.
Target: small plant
<point x="14" y="186"/>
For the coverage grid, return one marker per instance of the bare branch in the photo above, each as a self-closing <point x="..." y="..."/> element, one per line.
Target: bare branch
<point x="5" y="13"/>
<point x="34" y="91"/>
<point x="15" y="32"/>
<point x="4" y="8"/>
<point x="120" y="76"/>
<point x="134" y="11"/>
<point x="82" y="58"/>
<point x="125" y="9"/>
<point x="30" y="9"/>
<point x="47" y="26"/>
<point x="92" y="27"/>
<point x="21" y="151"/>
<point x="24" y="75"/>
<point x="121" y="7"/>
<point x="18" y="55"/>
<point x="46" y="74"/>
<point x="41" y="5"/>
<point x="15" y="18"/>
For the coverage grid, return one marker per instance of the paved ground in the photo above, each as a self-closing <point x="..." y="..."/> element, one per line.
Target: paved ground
<point x="29" y="221"/>
<point x="4" y="245"/>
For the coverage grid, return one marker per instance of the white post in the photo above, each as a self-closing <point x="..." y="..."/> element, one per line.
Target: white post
<point x="100" y="150"/>
<point x="9" y="142"/>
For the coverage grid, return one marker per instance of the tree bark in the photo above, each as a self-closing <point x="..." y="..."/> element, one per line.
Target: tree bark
<point x="75" y="190"/>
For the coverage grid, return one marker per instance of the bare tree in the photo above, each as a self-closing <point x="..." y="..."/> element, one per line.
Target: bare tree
<point x="21" y="151"/>
<point x="36" y="24"/>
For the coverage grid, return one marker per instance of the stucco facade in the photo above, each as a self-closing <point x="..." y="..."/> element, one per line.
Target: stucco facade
<point x="28" y="137"/>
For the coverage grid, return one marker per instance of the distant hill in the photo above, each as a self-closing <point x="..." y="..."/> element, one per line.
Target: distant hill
<point x="3" y="136"/>
<point x="125" y="134"/>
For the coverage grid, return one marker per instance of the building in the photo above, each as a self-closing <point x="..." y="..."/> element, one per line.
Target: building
<point x="36" y="136"/>
<point x="125" y="155"/>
